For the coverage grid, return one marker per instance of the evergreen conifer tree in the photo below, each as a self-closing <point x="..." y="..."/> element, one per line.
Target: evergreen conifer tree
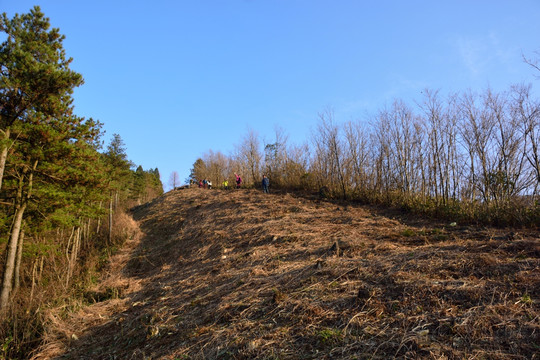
<point x="34" y="74"/>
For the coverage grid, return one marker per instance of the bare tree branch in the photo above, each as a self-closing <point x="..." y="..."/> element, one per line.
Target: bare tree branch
<point x="534" y="63"/>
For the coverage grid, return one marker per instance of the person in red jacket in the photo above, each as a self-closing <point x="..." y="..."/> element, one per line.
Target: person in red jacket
<point x="238" y="181"/>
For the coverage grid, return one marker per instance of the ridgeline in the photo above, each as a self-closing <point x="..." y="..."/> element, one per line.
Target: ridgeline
<point x="239" y="274"/>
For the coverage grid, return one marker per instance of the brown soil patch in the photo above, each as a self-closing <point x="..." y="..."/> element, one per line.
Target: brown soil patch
<point x="241" y="275"/>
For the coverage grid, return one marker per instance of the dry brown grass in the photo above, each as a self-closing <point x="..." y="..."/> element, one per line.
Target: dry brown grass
<point x="241" y="275"/>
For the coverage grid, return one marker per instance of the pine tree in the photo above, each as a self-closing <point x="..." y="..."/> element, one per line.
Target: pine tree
<point x="35" y="74"/>
<point x="119" y="175"/>
<point x="54" y="166"/>
<point x="199" y="170"/>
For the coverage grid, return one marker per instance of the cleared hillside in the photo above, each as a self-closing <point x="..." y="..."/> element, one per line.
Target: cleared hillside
<point x="240" y="274"/>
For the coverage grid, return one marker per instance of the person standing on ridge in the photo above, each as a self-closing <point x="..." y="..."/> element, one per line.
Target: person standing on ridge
<point x="238" y="180"/>
<point x="265" y="183"/>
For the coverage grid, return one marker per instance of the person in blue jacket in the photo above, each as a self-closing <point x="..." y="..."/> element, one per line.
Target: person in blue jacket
<point x="265" y="183"/>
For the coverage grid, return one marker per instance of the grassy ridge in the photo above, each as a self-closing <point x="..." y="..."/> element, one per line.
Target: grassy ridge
<point x="240" y="275"/>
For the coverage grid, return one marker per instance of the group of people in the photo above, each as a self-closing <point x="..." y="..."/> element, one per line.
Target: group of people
<point x="207" y="184"/>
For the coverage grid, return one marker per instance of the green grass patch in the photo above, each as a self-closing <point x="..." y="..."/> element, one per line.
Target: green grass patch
<point x="329" y="336"/>
<point x="408" y="232"/>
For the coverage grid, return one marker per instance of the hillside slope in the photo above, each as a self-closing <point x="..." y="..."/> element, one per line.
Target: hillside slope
<point x="241" y="274"/>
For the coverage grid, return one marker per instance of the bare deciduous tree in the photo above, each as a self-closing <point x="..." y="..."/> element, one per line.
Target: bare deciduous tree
<point x="174" y="180"/>
<point x="249" y="157"/>
<point x="330" y="161"/>
<point x="534" y="63"/>
<point x="527" y="114"/>
<point x="218" y="167"/>
<point x="275" y="157"/>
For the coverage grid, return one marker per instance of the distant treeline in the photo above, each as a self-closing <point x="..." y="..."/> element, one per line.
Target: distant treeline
<point x="60" y="195"/>
<point x="471" y="157"/>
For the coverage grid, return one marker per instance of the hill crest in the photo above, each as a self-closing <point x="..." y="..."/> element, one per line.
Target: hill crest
<point x="241" y="274"/>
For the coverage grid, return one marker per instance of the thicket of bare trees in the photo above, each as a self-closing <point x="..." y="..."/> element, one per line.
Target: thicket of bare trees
<point x="471" y="156"/>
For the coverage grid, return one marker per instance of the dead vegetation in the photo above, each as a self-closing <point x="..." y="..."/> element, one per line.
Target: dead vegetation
<point x="241" y="275"/>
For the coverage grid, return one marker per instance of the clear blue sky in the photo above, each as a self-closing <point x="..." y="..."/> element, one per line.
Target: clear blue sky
<point x="176" y="78"/>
